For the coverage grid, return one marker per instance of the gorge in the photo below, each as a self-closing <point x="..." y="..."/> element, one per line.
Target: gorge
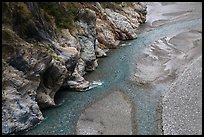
<point x="149" y="82"/>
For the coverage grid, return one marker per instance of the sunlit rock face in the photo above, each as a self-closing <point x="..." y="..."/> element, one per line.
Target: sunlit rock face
<point x="44" y="50"/>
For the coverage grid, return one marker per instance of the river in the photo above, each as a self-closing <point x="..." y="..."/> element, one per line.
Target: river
<point x="115" y="74"/>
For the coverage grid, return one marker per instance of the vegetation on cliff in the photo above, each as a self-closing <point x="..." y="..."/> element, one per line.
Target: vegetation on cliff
<point x="51" y="45"/>
<point x="63" y="13"/>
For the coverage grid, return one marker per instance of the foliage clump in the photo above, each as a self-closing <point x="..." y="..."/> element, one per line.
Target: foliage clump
<point x="18" y="17"/>
<point x="63" y="12"/>
<point x="6" y="13"/>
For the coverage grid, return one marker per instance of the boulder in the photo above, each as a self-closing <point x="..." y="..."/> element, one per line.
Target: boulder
<point x="99" y="51"/>
<point x="105" y="34"/>
<point x="121" y="23"/>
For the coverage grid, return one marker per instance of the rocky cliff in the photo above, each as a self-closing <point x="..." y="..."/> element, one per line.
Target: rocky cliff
<point x="49" y="46"/>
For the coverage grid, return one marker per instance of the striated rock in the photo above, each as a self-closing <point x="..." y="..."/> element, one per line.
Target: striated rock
<point x="67" y="40"/>
<point x="87" y="37"/>
<point x="51" y="81"/>
<point x="76" y="81"/>
<point x="105" y="34"/>
<point x="78" y="85"/>
<point x="141" y="9"/>
<point x="81" y="67"/>
<point x="38" y="75"/>
<point x="35" y="60"/>
<point x="99" y="51"/>
<point x="121" y="23"/>
<point x="39" y="58"/>
<point x="132" y="16"/>
<point x="87" y="49"/>
<point x="19" y="107"/>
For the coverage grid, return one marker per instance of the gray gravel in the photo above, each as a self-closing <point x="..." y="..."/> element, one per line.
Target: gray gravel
<point x="114" y="114"/>
<point x="182" y="104"/>
<point x="109" y="116"/>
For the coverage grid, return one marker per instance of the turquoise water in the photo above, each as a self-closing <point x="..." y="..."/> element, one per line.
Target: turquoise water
<point x="114" y="71"/>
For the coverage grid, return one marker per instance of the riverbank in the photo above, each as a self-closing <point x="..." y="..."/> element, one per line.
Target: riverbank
<point x="181" y="56"/>
<point x="48" y="47"/>
<point x="170" y="46"/>
<point x="116" y="73"/>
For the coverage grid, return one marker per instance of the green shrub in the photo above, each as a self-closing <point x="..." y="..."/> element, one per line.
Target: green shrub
<point x="18" y="17"/>
<point x="63" y="13"/>
<point x="23" y="23"/>
<point x="86" y="16"/>
<point x="6" y="13"/>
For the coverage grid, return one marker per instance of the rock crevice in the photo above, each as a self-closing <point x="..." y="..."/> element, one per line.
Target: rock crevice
<point x="50" y="46"/>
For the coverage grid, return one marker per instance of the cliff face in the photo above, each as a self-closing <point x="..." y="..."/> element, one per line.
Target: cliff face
<point x="48" y="46"/>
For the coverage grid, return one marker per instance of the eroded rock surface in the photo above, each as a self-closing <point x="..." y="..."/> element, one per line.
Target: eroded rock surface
<point x="19" y="107"/>
<point x="40" y="57"/>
